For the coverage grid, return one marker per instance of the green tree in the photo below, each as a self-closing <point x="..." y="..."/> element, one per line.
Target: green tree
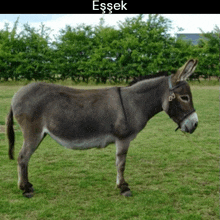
<point x="138" y="46"/>
<point x="9" y="47"/>
<point x="101" y="65"/>
<point x="35" y="57"/>
<point x="24" y="54"/>
<point x="73" y="48"/>
<point x="208" y="51"/>
<point x="144" y="46"/>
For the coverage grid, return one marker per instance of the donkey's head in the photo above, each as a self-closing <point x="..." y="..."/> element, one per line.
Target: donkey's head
<point x="177" y="102"/>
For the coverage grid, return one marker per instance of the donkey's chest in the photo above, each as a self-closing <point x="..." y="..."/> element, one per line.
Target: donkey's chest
<point x="99" y="141"/>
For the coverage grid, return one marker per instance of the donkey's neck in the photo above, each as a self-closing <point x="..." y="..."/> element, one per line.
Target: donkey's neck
<point x="146" y="86"/>
<point x="147" y="96"/>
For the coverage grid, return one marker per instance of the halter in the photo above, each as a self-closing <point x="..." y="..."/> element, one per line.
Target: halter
<point x="172" y="96"/>
<point x="171" y="88"/>
<point x="123" y="108"/>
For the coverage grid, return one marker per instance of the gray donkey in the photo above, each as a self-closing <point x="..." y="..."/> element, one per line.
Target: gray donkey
<point x="82" y="119"/>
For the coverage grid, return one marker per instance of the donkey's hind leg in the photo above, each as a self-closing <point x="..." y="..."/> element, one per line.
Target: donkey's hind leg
<point x="30" y="144"/>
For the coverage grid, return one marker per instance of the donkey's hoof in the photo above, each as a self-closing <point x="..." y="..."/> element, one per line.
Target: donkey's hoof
<point x="31" y="189"/>
<point x="28" y="194"/>
<point x="127" y="193"/>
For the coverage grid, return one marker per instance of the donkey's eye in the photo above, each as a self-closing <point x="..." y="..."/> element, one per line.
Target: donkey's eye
<point x="185" y="98"/>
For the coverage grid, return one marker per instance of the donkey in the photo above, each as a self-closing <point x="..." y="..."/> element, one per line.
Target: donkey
<point x="82" y="119"/>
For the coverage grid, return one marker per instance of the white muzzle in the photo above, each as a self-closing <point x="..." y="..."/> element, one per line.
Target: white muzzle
<point x="190" y="123"/>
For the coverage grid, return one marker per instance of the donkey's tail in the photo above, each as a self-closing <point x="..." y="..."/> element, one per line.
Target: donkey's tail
<point x="10" y="134"/>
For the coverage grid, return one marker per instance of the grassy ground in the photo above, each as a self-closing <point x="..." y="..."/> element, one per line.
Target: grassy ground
<point x="171" y="175"/>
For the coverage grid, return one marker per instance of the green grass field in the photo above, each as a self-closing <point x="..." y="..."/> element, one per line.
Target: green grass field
<point x="171" y="175"/>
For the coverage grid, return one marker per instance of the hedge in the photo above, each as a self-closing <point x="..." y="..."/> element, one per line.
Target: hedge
<point x="138" y="46"/>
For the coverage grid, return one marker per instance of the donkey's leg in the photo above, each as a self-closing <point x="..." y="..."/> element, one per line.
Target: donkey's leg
<point x="29" y="146"/>
<point x="121" y="152"/>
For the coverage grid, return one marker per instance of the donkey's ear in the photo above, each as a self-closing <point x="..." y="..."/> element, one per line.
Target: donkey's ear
<point x="186" y="70"/>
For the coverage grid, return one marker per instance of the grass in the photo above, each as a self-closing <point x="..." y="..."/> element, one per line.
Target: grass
<point x="171" y="175"/>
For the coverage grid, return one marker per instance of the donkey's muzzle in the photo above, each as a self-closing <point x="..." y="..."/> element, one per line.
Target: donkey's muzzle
<point x="190" y="123"/>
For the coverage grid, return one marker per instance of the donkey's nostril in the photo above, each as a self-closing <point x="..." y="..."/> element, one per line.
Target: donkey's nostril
<point x="196" y="124"/>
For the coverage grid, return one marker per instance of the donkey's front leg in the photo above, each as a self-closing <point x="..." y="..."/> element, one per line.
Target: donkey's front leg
<point x="121" y="152"/>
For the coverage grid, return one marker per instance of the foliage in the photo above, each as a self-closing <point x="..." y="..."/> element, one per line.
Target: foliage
<point x="209" y="53"/>
<point x="24" y="55"/>
<point x="138" y="46"/>
<point x="73" y="48"/>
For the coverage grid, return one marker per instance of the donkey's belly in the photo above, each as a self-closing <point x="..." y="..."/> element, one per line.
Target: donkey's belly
<point x="81" y="144"/>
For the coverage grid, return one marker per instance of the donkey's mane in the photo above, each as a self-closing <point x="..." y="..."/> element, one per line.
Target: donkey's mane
<point x="151" y="76"/>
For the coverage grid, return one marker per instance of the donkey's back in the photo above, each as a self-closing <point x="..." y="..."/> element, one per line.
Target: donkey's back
<point x="38" y="96"/>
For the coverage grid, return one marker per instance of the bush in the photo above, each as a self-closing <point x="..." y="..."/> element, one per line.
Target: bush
<point x="137" y="47"/>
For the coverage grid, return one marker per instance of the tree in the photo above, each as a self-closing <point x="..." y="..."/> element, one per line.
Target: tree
<point x="35" y="57"/>
<point x="24" y="54"/>
<point x="209" y="53"/>
<point x="138" y="46"/>
<point x="72" y="49"/>
<point x="10" y="45"/>
<point x="144" y="46"/>
<point x="100" y="64"/>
